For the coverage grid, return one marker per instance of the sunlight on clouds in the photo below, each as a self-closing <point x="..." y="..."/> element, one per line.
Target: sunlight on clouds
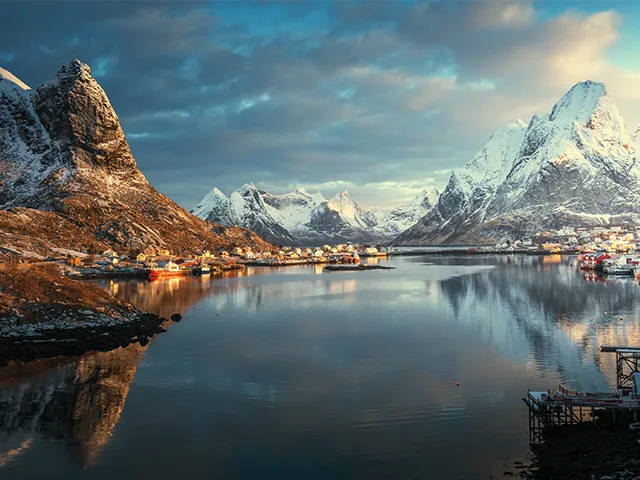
<point x="579" y="45"/>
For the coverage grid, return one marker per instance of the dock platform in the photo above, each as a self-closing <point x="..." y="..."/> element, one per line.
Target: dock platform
<point x="565" y="406"/>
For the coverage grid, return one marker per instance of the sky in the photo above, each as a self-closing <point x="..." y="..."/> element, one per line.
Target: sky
<point x="380" y="98"/>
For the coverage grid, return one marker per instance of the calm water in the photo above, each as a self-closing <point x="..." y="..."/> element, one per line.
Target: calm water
<point x="295" y="373"/>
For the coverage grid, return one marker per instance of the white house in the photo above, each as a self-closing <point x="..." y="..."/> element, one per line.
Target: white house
<point x="318" y="253"/>
<point x="109" y="253"/>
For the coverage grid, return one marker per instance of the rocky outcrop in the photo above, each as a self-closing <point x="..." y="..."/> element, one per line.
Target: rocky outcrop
<point x="69" y="177"/>
<point x="576" y="166"/>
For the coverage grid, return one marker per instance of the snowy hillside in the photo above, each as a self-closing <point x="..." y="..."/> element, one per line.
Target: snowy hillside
<point x="575" y="166"/>
<point x="301" y="217"/>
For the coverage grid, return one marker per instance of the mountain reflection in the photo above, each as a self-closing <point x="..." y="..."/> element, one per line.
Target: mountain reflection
<point x="78" y="403"/>
<point x="551" y="313"/>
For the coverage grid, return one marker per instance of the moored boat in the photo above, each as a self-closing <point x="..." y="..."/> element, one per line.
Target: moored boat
<point x="203" y="269"/>
<point x="169" y="270"/>
<point x="618" y="270"/>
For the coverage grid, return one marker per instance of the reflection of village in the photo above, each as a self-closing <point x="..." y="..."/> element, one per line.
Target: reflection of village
<point x="230" y="288"/>
<point x="79" y="402"/>
<point x="561" y="323"/>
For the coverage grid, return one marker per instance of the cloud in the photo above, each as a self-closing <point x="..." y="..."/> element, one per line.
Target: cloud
<point x="385" y="97"/>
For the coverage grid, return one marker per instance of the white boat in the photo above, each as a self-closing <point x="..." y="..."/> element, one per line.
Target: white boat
<point x="618" y="270"/>
<point x="203" y="269"/>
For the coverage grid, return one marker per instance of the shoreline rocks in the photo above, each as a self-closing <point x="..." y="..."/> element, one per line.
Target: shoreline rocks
<point x="28" y="342"/>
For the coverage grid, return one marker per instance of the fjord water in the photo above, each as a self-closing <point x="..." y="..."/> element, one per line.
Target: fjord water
<point x="296" y="373"/>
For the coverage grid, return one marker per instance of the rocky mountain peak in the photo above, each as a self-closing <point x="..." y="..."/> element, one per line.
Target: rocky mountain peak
<point x="74" y="110"/>
<point x="589" y="105"/>
<point x="579" y="102"/>
<point x="74" y="70"/>
<point x="572" y="167"/>
<point x="68" y="178"/>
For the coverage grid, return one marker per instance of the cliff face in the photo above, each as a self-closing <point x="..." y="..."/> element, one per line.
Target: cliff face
<point x="69" y="178"/>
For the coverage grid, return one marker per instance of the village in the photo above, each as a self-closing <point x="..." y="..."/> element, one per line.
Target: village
<point x="611" y="239"/>
<point x="609" y="250"/>
<point x="156" y="263"/>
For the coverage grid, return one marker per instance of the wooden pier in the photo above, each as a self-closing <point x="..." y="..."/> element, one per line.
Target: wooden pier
<point x="565" y="406"/>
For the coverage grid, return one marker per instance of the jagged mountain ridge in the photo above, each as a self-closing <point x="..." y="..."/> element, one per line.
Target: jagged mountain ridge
<point x="575" y="166"/>
<point x="69" y="178"/>
<point x="301" y="217"/>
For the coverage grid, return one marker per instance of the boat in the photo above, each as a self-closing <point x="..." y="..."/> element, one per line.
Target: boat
<point x="169" y="270"/>
<point x="356" y="268"/>
<point x="203" y="269"/>
<point x="618" y="270"/>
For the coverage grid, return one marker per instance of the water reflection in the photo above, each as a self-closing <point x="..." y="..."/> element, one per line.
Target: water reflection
<point x="556" y="320"/>
<point x="312" y="375"/>
<point x="78" y="403"/>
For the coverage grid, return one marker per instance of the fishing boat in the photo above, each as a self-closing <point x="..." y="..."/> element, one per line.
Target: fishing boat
<point x="169" y="270"/>
<point x="203" y="269"/>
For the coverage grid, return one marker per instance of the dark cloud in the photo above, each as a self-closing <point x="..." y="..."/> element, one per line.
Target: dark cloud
<point x="328" y="94"/>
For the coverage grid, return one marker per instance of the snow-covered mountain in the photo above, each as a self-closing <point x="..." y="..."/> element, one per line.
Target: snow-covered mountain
<point x="407" y="215"/>
<point x="301" y="217"/>
<point x="575" y="166"/>
<point x="68" y="178"/>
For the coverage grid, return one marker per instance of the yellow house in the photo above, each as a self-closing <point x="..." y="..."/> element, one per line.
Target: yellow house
<point x="551" y="246"/>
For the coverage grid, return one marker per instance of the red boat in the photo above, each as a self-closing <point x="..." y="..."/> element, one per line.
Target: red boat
<point x="169" y="270"/>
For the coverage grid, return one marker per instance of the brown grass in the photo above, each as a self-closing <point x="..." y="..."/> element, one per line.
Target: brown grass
<point x="25" y="289"/>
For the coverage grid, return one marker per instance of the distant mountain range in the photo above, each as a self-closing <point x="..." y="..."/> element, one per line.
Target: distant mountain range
<point x="575" y="166"/>
<point x="69" y="180"/>
<point x="301" y="217"/>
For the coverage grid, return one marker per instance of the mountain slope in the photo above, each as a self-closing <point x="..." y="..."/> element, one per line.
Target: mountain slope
<point x="69" y="178"/>
<point x="405" y="216"/>
<point x="300" y="217"/>
<point x="575" y="166"/>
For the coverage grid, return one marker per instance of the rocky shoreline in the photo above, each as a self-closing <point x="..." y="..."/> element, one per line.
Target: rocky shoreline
<point x="74" y="337"/>
<point x="44" y="313"/>
<point x="584" y="451"/>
